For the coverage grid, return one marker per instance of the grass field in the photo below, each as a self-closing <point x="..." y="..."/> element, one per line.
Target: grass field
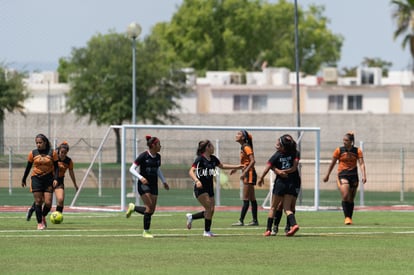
<point x="108" y="243"/>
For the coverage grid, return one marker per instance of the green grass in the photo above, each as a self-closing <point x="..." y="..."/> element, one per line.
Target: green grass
<point x="107" y="243"/>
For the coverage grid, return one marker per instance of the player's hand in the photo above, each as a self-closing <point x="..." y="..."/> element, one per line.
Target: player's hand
<point x="166" y="186"/>
<point x="325" y="179"/>
<point x="23" y="184"/>
<point x="144" y="180"/>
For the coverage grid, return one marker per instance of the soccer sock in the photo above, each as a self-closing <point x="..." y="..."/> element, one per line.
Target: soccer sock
<point x="292" y="219"/>
<point x="254" y="210"/>
<point x="32" y="208"/>
<point x="345" y="208"/>
<point x="278" y="217"/>
<point x="59" y="208"/>
<point x="199" y="215"/>
<point x="244" y="210"/>
<point x="351" y="209"/>
<point x="46" y="210"/>
<point x="147" y="221"/>
<point x="207" y="225"/>
<point x="38" y="209"/>
<point x="269" y="224"/>
<point x="140" y="209"/>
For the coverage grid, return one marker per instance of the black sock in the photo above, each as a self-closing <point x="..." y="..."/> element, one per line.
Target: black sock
<point x="32" y="208"/>
<point x="59" y="208"/>
<point x="147" y="221"/>
<point x="244" y="210"/>
<point x="140" y="209"/>
<point x="345" y="208"/>
<point x="351" y="209"/>
<point x="207" y="225"/>
<point x="254" y="210"/>
<point x="38" y="209"/>
<point x="292" y="219"/>
<point x="199" y="215"/>
<point x="269" y="224"/>
<point x="46" y="210"/>
<point x="278" y="217"/>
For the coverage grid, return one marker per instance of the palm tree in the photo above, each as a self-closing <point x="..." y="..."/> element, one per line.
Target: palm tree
<point x="404" y="17"/>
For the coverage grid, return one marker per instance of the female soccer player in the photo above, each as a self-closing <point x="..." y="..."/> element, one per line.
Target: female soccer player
<point x="248" y="176"/>
<point x="64" y="163"/>
<point x="202" y="172"/>
<point x="149" y="163"/>
<point x="284" y="163"/>
<point x="43" y="177"/>
<point x="348" y="156"/>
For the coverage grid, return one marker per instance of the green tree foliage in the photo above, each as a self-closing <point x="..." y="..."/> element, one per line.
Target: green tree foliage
<point x="403" y="15"/>
<point x="243" y="34"/>
<point x="12" y="96"/>
<point x="377" y="62"/>
<point x="100" y="76"/>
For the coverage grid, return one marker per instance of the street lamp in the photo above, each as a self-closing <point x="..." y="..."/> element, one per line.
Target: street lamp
<point x="133" y="31"/>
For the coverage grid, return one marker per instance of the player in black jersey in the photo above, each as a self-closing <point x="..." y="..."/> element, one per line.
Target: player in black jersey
<point x="149" y="163"/>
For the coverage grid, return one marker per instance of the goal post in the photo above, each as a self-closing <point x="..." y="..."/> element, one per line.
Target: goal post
<point x="316" y="130"/>
<point x="178" y="151"/>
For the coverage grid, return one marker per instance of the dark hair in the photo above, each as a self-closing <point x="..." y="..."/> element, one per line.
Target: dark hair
<point x="63" y="145"/>
<point x="351" y="137"/>
<point x="247" y="138"/>
<point x="151" y="141"/>
<point x="45" y="140"/>
<point x="288" y="143"/>
<point x="202" y="145"/>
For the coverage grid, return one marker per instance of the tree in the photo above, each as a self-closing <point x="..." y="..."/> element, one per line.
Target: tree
<point x="12" y="96"/>
<point x="243" y="34"/>
<point x="403" y="15"/>
<point x="377" y="62"/>
<point x="101" y="83"/>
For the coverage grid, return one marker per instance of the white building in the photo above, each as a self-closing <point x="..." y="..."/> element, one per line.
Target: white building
<point x="273" y="90"/>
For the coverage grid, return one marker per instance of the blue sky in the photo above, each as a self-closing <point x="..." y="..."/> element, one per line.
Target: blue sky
<point x="42" y="31"/>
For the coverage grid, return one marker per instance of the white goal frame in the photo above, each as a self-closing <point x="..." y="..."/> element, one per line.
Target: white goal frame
<point x="124" y="128"/>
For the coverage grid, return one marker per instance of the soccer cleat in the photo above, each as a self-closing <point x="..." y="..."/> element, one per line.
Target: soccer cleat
<point x="267" y="233"/>
<point x="287" y="228"/>
<point x="292" y="230"/>
<point x="348" y="221"/>
<point x="239" y="223"/>
<point x="253" y="223"/>
<point x="189" y="220"/>
<point x="208" y="234"/>
<point x="29" y="213"/>
<point x="275" y="229"/>
<point x="44" y="222"/>
<point x="131" y="208"/>
<point x="147" y="234"/>
<point x="40" y="226"/>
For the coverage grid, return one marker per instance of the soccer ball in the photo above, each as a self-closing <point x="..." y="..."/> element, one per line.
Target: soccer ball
<point x="56" y="217"/>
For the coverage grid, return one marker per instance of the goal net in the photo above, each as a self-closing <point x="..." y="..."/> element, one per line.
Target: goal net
<point x="179" y="145"/>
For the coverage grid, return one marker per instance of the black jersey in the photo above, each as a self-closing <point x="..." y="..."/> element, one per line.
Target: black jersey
<point x="205" y="169"/>
<point x="283" y="161"/>
<point x="148" y="166"/>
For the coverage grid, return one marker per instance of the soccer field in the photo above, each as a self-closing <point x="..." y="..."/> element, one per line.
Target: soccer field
<point x="379" y="242"/>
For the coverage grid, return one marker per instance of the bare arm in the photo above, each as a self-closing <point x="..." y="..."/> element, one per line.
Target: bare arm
<point x="362" y="167"/>
<point x="331" y="166"/>
<point x="72" y="176"/>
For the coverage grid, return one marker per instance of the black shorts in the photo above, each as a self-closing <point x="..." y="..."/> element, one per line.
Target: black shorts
<point x="205" y="189"/>
<point x="353" y="180"/>
<point x="281" y="188"/>
<point x="60" y="184"/>
<point x="42" y="184"/>
<point x="147" y="188"/>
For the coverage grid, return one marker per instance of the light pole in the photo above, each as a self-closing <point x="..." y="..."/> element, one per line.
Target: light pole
<point x="133" y="31"/>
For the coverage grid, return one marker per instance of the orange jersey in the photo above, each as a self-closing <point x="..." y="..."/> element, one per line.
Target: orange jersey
<point x="347" y="159"/>
<point x="64" y="165"/>
<point x="245" y="153"/>
<point x="43" y="164"/>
